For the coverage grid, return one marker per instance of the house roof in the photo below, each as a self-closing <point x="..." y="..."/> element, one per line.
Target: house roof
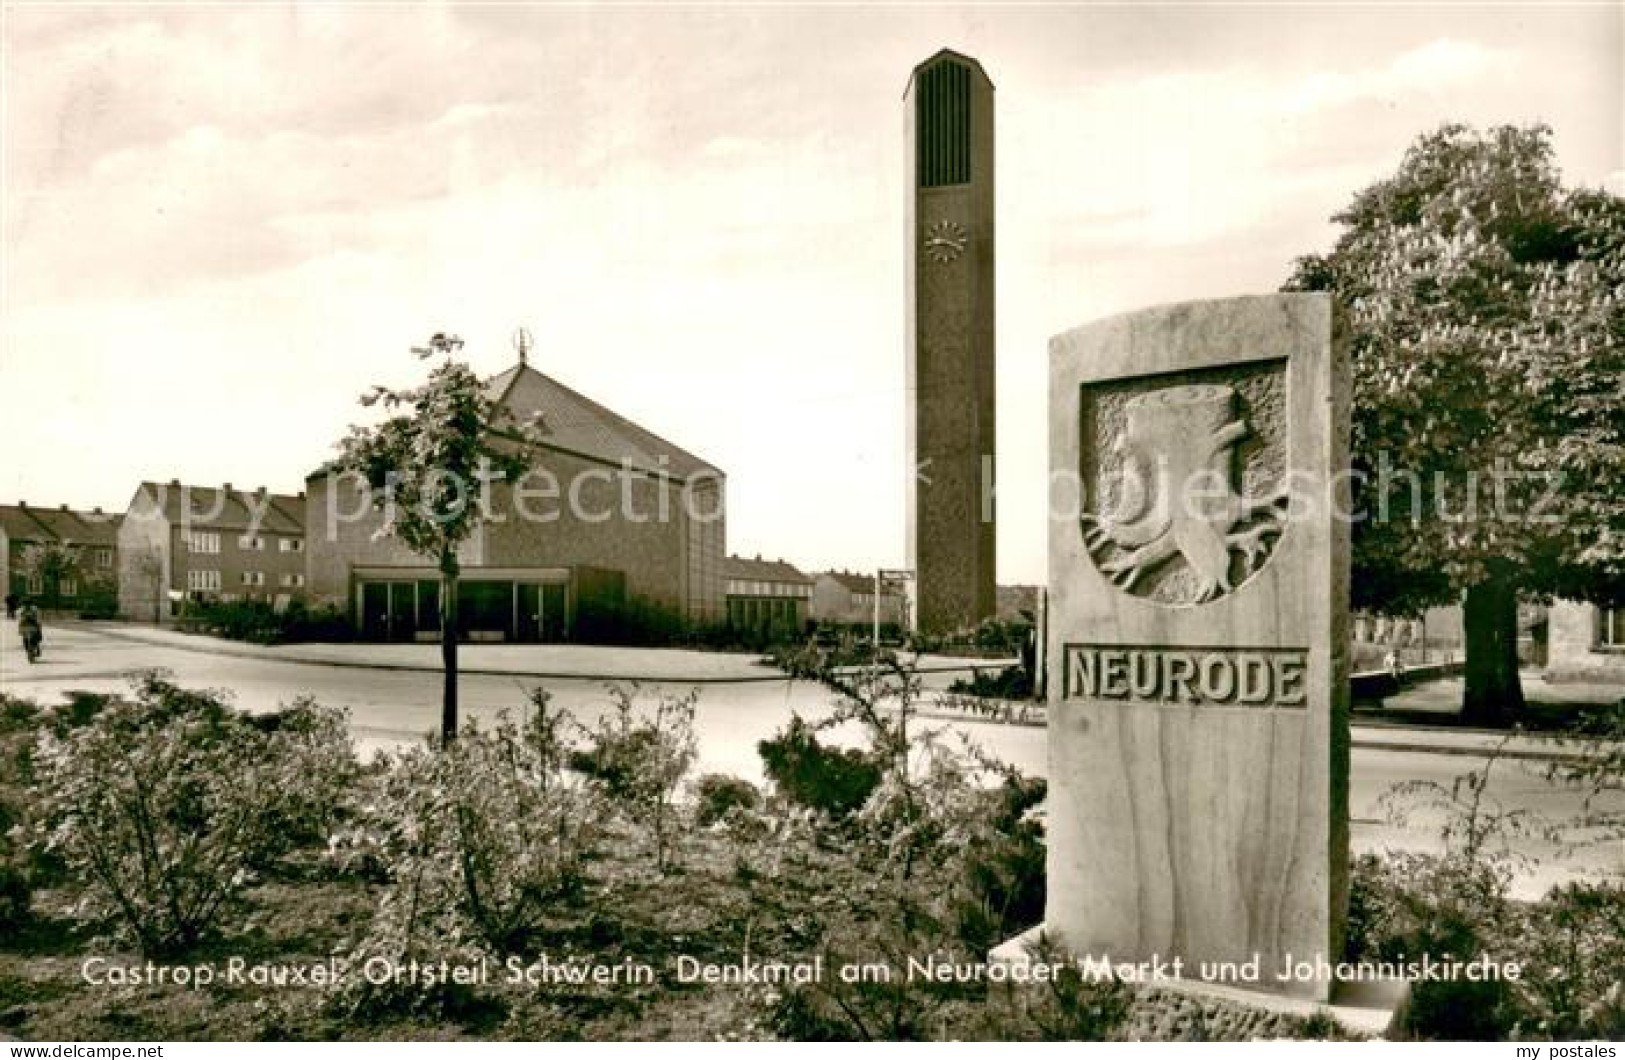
<point x="570" y="421"/>
<point x="762" y="570"/>
<point x="24" y="522"/>
<point x="860" y="583"/>
<point x="16" y="523"/>
<point x="220" y="507"/>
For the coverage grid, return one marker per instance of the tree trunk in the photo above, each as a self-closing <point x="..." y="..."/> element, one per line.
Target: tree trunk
<point x="448" y="647"/>
<point x="1493" y="695"/>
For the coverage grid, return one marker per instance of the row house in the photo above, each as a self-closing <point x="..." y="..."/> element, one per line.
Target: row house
<point x="766" y="596"/>
<point x="180" y="542"/>
<point x="60" y="558"/>
<point x="846" y="596"/>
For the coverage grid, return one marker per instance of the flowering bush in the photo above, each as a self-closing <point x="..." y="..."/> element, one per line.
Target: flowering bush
<point x="717" y="795"/>
<point x="639" y="758"/>
<point x="161" y="805"/>
<point x="936" y="859"/>
<point x="479" y="840"/>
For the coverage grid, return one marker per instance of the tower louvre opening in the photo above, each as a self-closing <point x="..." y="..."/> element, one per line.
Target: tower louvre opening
<point x="943" y="122"/>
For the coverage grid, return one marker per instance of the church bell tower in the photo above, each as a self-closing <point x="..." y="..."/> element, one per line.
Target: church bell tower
<point x="950" y="337"/>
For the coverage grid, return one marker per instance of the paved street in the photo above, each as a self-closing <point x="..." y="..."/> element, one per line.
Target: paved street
<point x="740" y="703"/>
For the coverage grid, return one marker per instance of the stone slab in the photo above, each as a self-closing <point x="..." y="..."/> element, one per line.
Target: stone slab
<point x="1198" y="577"/>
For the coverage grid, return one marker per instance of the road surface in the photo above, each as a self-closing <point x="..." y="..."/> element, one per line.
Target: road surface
<point x="391" y="707"/>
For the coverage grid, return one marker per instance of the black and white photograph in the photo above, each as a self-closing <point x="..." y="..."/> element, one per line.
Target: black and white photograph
<point x="784" y="522"/>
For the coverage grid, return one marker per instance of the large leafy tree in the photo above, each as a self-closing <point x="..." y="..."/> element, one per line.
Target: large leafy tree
<point x="427" y="466"/>
<point x="1486" y="308"/>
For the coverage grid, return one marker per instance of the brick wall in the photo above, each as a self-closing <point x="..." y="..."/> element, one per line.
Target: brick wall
<point x="604" y="517"/>
<point x="341" y="532"/>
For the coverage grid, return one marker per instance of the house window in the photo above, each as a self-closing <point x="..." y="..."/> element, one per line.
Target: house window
<point x="293" y="581"/>
<point x="291" y="544"/>
<point x="67" y="587"/>
<point x="203" y="580"/>
<point x="104" y="558"/>
<point x="203" y="543"/>
<point x="253" y="577"/>
<point x="249" y="543"/>
<point x="1611" y="627"/>
<point x="36" y="584"/>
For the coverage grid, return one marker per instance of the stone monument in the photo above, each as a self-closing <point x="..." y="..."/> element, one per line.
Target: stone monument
<point x="1198" y="640"/>
<point x="950" y="335"/>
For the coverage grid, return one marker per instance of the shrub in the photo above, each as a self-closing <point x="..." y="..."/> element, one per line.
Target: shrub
<point x="1071" y="1007"/>
<point x="817" y="657"/>
<point x="640" y="759"/>
<point x="634" y="621"/>
<point x="318" y="739"/>
<point x="717" y="795"/>
<point x="990" y="637"/>
<point x="100" y="606"/>
<point x="1405" y="906"/>
<point x="1572" y="945"/>
<point x="836" y="781"/>
<point x="161" y="804"/>
<point x="250" y="620"/>
<point x="939" y="858"/>
<point x="1004" y="864"/>
<point x="80" y="708"/>
<point x="321" y="624"/>
<point x="480" y="840"/>
<point x="19" y="722"/>
<point x="1012" y="682"/>
<point x="16" y="885"/>
<point x="24" y="866"/>
<point x="1000" y="636"/>
<point x="258" y="621"/>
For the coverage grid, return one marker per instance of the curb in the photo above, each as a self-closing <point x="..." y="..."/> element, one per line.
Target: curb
<point x="1469" y="752"/>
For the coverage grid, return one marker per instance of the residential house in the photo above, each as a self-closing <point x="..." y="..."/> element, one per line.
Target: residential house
<point x="180" y="542"/>
<point x="82" y="576"/>
<point x="1585" y="642"/>
<point x="845" y="596"/>
<point x="767" y="597"/>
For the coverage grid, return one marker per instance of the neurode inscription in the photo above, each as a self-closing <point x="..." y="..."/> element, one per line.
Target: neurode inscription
<point x="1172" y="467"/>
<point x="1242" y="677"/>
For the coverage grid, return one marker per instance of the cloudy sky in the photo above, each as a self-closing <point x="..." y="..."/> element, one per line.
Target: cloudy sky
<point x="223" y="222"/>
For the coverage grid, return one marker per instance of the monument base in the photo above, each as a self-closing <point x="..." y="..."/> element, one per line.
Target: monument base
<point x="1371" y="1009"/>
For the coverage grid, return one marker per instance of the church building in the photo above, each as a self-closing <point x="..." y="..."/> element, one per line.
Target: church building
<point x="611" y="513"/>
